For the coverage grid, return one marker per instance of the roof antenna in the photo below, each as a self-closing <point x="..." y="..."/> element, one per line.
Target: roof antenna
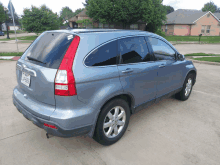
<point x="66" y="21"/>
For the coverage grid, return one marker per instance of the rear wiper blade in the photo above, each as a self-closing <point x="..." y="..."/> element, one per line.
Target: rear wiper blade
<point x="34" y="59"/>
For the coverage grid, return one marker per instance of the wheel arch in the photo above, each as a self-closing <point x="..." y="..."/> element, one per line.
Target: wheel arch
<point x="194" y="73"/>
<point x="125" y="96"/>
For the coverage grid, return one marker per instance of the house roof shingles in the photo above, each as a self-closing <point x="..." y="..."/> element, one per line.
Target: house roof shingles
<point x="217" y="15"/>
<point x="81" y="14"/>
<point x="186" y="16"/>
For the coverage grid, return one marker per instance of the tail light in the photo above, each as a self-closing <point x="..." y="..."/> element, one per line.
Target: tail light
<point x="50" y="126"/>
<point x="65" y="81"/>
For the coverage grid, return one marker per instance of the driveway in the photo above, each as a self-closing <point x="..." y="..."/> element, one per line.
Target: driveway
<point x="12" y="35"/>
<point x="198" y="48"/>
<point x="171" y="132"/>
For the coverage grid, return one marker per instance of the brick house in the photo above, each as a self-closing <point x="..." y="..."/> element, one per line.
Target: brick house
<point x="192" y="23"/>
<point x="95" y="24"/>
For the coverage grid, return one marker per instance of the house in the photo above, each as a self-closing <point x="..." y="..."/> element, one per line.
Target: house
<point x="95" y="24"/>
<point x="192" y="23"/>
<point x="10" y="26"/>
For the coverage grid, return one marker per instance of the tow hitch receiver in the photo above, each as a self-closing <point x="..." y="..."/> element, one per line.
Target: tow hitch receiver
<point x="48" y="135"/>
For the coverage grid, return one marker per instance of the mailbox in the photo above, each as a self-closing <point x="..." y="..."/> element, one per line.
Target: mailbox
<point x="200" y="35"/>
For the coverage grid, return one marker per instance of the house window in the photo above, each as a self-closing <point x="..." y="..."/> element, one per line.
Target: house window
<point x="203" y="29"/>
<point x="134" y="26"/>
<point x="208" y="29"/>
<point x="166" y="29"/>
<point x="208" y="15"/>
<point x="100" y="25"/>
<point x="106" y="26"/>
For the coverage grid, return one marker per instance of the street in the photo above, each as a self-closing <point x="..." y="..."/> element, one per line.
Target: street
<point x="171" y="132"/>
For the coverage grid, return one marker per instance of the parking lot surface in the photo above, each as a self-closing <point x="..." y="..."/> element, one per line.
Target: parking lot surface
<point x="171" y="132"/>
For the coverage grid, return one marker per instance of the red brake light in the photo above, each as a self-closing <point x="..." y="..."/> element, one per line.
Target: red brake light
<point x="65" y="81"/>
<point x="50" y="126"/>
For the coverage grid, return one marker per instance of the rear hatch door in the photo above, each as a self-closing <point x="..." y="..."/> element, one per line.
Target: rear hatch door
<point x="36" y="70"/>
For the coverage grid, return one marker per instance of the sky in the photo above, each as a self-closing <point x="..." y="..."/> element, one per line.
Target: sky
<point x="19" y="5"/>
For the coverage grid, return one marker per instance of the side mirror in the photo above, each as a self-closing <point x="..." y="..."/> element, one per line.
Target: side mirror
<point x="180" y="57"/>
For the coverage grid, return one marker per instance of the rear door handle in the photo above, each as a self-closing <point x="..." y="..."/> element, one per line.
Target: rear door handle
<point x="128" y="70"/>
<point x="162" y="66"/>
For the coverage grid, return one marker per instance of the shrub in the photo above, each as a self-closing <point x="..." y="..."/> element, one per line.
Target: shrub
<point x="160" y="33"/>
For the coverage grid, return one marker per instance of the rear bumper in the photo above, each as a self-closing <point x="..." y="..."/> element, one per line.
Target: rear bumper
<point x="56" y="132"/>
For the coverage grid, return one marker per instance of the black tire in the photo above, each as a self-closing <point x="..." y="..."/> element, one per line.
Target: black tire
<point x="181" y="95"/>
<point x="99" y="134"/>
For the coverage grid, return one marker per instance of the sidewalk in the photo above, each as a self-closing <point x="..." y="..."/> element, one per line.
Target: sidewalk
<point x="190" y="42"/>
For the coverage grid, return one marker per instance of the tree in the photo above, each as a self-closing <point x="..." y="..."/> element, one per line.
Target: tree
<point x="2" y="15"/>
<point x="210" y="6"/>
<point x="39" y="19"/>
<point x="169" y="9"/>
<point x="127" y="12"/>
<point x="67" y="13"/>
<point x="86" y="3"/>
<point x="10" y="19"/>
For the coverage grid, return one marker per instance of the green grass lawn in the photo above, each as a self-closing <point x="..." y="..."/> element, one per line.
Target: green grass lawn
<point x="29" y="38"/>
<point x="201" y="54"/>
<point x="210" y="59"/>
<point x="13" y="32"/>
<point x="11" y="54"/>
<point x="208" y="39"/>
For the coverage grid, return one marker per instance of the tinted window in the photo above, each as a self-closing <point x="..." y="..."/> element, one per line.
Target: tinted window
<point x="104" y="55"/>
<point x="49" y="48"/>
<point x="133" y="50"/>
<point x="162" y="50"/>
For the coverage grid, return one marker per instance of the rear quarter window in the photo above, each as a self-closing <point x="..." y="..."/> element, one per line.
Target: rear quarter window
<point x="104" y="55"/>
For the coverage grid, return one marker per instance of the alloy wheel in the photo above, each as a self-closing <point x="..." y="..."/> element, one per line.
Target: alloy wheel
<point x="114" y="122"/>
<point x="188" y="87"/>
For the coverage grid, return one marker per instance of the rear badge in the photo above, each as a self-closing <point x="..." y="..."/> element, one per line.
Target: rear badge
<point x="69" y="37"/>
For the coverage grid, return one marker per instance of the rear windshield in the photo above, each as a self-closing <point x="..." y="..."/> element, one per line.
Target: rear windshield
<point x="48" y="49"/>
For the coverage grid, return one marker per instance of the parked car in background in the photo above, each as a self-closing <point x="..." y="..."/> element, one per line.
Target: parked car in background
<point x="74" y="82"/>
<point x="2" y="33"/>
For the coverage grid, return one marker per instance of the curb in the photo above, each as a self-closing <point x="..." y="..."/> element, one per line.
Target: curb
<point x="15" y="58"/>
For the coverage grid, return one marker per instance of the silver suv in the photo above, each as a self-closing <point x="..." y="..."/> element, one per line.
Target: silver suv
<point x="74" y="82"/>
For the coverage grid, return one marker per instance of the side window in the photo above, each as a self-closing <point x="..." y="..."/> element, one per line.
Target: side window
<point x="162" y="50"/>
<point x="104" y="55"/>
<point x="133" y="50"/>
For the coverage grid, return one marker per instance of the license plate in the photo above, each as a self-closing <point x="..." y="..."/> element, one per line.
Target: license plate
<point x="25" y="79"/>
